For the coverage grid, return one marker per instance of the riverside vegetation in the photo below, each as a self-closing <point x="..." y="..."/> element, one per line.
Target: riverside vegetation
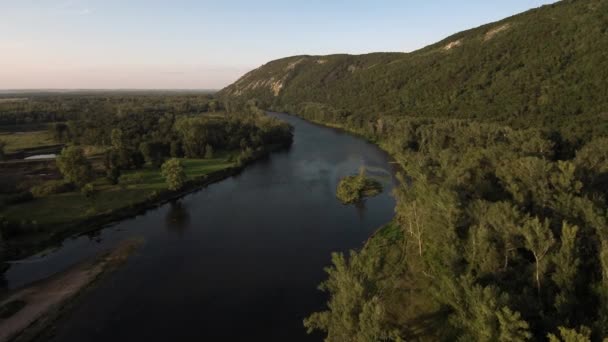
<point x="501" y="227"/>
<point x="121" y="153"/>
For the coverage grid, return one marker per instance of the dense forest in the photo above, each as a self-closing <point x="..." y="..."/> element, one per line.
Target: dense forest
<point x="501" y="230"/>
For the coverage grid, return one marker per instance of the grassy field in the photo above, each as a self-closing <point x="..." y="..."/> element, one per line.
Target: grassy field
<point x="16" y="141"/>
<point x="73" y="206"/>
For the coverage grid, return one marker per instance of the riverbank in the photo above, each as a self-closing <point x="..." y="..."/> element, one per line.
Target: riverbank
<point x="55" y="221"/>
<point x="28" y="312"/>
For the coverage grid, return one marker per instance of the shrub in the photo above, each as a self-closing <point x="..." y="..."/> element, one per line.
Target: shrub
<point x="88" y="190"/>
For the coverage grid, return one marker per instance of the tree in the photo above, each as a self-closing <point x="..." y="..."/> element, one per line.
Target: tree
<point x="571" y="335"/>
<point x="213" y="105"/>
<point x="512" y="327"/>
<point x="539" y="240"/>
<point x="60" y="131"/>
<point x="566" y="269"/>
<point x="117" y="138"/>
<point x="113" y="174"/>
<point x="74" y="166"/>
<point x="145" y="148"/>
<point x="356" y="312"/>
<point x="208" y="151"/>
<point x="174" y="174"/>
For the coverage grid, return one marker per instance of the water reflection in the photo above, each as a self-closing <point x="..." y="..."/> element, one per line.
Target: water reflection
<point x="360" y="207"/>
<point x="178" y="217"/>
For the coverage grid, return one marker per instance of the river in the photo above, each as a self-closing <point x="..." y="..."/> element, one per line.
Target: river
<point x="238" y="260"/>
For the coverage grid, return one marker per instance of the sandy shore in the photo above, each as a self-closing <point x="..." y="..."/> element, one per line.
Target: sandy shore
<point x="42" y="300"/>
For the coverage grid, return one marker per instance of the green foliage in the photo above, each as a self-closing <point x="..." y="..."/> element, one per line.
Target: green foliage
<point x="197" y="134"/>
<point x="117" y="139"/>
<point x="567" y="263"/>
<point x="539" y="240"/>
<point x="174" y="174"/>
<point x="88" y="190"/>
<point x="61" y="108"/>
<point x="75" y="166"/>
<point x="583" y="334"/>
<point x="512" y="327"/>
<point x="352" y="189"/>
<point x="153" y="153"/>
<point x="208" y="151"/>
<point x="355" y="311"/>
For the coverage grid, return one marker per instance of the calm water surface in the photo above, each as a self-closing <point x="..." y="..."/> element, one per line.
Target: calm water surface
<point x="239" y="260"/>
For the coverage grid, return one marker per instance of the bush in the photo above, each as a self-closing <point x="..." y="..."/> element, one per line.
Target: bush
<point x="88" y="190"/>
<point x="51" y="187"/>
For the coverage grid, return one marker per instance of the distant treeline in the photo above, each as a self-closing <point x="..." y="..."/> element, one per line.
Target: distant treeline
<point x="133" y="139"/>
<point x="44" y="108"/>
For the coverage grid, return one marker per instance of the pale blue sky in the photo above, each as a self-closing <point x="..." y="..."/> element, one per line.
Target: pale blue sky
<point x="208" y="44"/>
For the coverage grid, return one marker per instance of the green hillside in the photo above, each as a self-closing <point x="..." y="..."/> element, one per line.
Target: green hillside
<point x="548" y="66"/>
<point x="501" y="225"/>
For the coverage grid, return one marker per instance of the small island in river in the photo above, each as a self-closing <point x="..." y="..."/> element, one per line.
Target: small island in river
<point x="353" y="189"/>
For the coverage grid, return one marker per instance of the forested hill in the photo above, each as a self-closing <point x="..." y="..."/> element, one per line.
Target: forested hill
<point x="546" y="66"/>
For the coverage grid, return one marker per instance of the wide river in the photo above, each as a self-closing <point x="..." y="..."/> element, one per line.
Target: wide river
<point x="237" y="261"/>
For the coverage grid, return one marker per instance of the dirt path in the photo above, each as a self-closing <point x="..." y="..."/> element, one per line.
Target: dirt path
<point x="46" y="296"/>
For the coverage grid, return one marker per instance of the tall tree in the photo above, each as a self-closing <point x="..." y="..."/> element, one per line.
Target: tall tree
<point x="566" y="269"/>
<point x="74" y="166"/>
<point x="539" y="240"/>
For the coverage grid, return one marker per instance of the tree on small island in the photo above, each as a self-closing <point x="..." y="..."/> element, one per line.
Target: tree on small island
<point x="352" y="189"/>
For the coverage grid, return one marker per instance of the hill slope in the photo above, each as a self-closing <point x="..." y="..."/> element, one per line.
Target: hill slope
<point x="548" y="66"/>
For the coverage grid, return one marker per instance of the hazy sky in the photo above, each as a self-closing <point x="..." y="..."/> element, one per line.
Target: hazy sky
<point x="209" y="44"/>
